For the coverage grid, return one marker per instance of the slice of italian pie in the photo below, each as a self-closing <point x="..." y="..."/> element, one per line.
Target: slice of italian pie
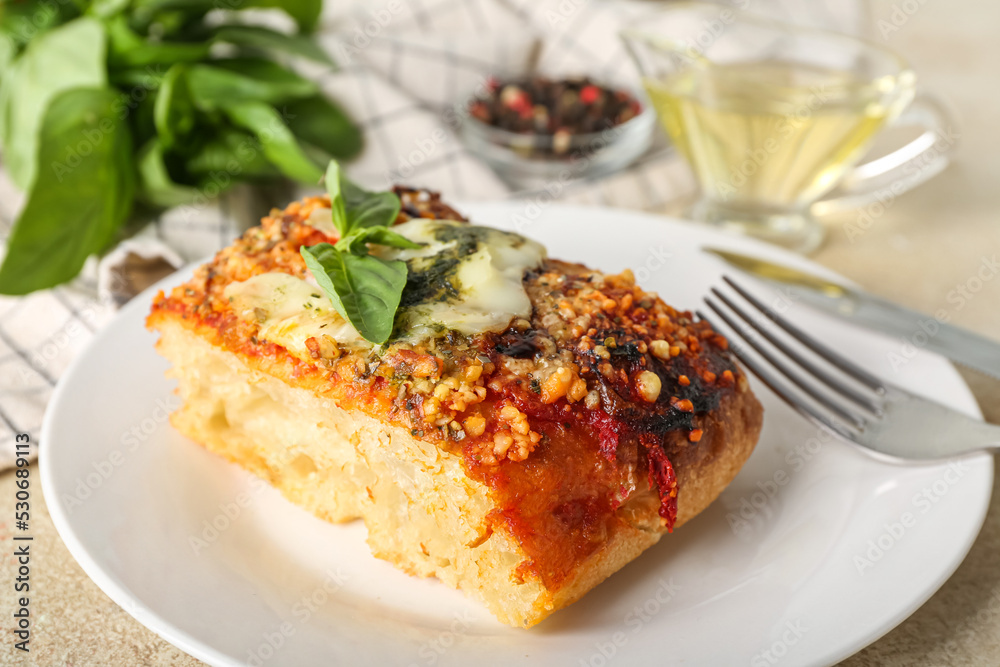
<point x="528" y="428"/>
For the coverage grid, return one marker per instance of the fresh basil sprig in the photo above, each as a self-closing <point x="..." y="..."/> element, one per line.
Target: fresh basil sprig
<point x="364" y="289"/>
<point x="79" y="213"/>
<point x="110" y="109"/>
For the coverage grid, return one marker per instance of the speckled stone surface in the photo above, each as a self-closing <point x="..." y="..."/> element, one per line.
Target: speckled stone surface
<point x="75" y="623"/>
<point x="925" y="244"/>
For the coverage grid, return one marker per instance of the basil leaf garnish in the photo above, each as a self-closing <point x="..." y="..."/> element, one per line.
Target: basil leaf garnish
<point x="356" y="242"/>
<point x="363" y="288"/>
<point x="356" y="208"/>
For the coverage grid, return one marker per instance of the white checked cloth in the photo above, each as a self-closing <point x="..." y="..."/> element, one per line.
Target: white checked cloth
<point x="405" y="65"/>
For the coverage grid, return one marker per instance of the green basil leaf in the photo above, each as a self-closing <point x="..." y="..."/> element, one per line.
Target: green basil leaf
<point x="168" y="5"/>
<point x="304" y="12"/>
<point x="232" y="154"/>
<point x="153" y="6"/>
<point x="171" y="17"/>
<point x="387" y="237"/>
<point x="6" y="95"/>
<point x="321" y="123"/>
<point x="8" y="51"/>
<point x="174" y="110"/>
<point x="271" y="40"/>
<point x="356" y="242"/>
<point x="126" y="48"/>
<point x="76" y="206"/>
<point x="156" y="186"/>
<point x="25" y="20"/>
<point x="226" y="82"/>
<point x="108" y="8"/>
<point x="70" y="56"/>
<point x="141" y="118"/>
<point x="364" y="289"/>
<point x="137" y="79"/>
<point x="182" y="25"/>
<point x="369" y="209"/>
<point x="356" y="208"/>
<point x="279" y="144"/>
<point x="337" y="206"/>
<point x="260" y="68"/>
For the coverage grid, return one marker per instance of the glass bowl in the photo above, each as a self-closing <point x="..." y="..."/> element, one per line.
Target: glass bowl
<point x="529" y="160"/>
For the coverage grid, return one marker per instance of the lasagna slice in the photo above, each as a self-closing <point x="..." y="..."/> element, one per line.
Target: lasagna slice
<point x="530" y="426"/>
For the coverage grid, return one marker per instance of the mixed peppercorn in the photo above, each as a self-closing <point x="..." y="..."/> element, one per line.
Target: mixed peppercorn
<point x="558" y="108"/>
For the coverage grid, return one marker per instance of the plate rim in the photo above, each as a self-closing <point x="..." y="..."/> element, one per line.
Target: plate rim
<point x="166" y="630"/>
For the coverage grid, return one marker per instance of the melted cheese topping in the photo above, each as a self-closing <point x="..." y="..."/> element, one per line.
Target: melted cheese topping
<point x="463" y="278"/>
<point x="290" y="310"/>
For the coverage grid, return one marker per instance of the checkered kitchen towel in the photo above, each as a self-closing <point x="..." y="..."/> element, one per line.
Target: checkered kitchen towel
<point x="405" y="65"/>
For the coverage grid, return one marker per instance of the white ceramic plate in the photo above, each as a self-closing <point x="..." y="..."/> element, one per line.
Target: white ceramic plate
<point x="832" y="549"/>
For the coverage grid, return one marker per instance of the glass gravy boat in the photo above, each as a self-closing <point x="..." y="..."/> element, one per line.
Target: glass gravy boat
<point x="773" y="117"/>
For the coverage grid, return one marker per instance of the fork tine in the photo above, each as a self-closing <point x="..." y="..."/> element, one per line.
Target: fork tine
<point x="852" y="369"/>
<point x="829" y="380"/>
<point x="786" y="394"/>
<point x="784" y="369"/>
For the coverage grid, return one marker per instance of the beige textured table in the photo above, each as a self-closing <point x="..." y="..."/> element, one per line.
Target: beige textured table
<point x="922" y="247"/>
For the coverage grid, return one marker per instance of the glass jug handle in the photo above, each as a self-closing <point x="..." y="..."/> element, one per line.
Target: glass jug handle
<point x="904" y="168"/>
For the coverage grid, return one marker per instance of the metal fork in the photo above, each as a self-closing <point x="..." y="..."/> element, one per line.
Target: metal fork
<point x="838" y="394"/>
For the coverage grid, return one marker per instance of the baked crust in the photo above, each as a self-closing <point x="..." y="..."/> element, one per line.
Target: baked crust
<point x="557" y="463"/>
